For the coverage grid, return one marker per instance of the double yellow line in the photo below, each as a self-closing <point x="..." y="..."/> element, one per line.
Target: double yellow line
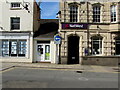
<point x="7" y="69"/>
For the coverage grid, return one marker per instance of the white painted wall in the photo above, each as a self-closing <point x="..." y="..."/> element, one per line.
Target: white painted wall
<point x="26" y="19"/>
<point x="0" y="14"/>
<point x="53" y="52"/>
<point x="26" y="25"/>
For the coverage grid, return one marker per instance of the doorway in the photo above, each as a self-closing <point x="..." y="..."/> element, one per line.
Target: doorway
<point x="73" y="50"/>
<point x="117" y="46"/>
<point x="43" y="52"/>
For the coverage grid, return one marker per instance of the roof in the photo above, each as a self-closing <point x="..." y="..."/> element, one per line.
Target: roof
<point x="48" y="28"/>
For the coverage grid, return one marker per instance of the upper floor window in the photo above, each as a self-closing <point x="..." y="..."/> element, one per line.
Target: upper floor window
<point x="113" y="13"/>
<point x="15" y="5"/>
<point x="96" y="13"/>
<point x="15" y="23"/>
<point x="73" y="13"/>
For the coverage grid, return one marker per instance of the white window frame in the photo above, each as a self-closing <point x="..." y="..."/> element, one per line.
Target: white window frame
<point x="15" y="5"/>
<point x="18" y="54"/>
<point x="95" y="20"/>
<point x="14" y="23"/>
<point x="74" y="14"/>
<point x="113" y="11"/>
<point x="100" y="40"/>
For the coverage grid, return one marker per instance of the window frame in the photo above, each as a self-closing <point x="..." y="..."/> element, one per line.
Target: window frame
<point x="17" y="48"/>
<point x="15" y="5"/>
<point x="97" y="13"/>
<point x="100" y="45"/>
<point x="112" y="13"/>
<point x="13" y="23"/>
<point x="117" y="40"/>
<point x="74" y="13"/>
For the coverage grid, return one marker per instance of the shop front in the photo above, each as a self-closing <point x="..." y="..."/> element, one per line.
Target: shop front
<point x="15" y="47"/>
<point x="44" y="51"/>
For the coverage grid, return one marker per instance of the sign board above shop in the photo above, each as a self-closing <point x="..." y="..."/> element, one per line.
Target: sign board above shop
<point x="74" y="26"/>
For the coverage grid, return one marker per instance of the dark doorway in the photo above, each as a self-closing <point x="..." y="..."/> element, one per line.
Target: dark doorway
<point x="117" y="46"/>
<point x="73" y="50"/>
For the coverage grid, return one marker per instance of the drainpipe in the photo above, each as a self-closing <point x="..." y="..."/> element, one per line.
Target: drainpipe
<point x="88" y="29"/>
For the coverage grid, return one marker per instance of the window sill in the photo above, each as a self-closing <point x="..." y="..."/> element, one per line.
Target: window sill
<point x="15" y="30"/>
<point x="15" y="8"/>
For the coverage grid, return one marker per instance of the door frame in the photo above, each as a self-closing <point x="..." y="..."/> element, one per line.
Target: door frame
<point x="43" y="52"/>
<point x="77" y="61"/>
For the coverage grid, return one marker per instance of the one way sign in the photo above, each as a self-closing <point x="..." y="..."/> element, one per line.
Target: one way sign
<point x="57" y="39"/>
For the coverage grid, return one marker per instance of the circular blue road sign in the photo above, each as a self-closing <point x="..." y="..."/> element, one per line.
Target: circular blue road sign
<point x="57" y="38"/>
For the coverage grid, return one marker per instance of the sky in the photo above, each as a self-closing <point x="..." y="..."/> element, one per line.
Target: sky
<point x="49" y="10"/>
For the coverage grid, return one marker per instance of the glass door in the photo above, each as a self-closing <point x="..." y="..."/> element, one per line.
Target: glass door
<point x="43" y="52"/>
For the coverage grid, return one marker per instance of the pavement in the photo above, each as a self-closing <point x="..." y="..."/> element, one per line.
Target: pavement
<point x="73" y="67"/>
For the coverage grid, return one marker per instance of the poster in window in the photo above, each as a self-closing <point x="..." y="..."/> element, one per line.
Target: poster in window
<point x="14" y="47"/>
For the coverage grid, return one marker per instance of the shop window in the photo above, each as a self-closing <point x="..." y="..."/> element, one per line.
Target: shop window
<point x="96" y="43"/>
<point x="113" y="13"/>
<point x="47" y="52"/>
<point x="96" y="13"/>
<point x="22" y="48"/>
<point x="14" y="48"/>
<point x="5" y="48"/>
<point x="117" y="46"/>
<point x="15" y="23"/>
<point x="73" y="13"/>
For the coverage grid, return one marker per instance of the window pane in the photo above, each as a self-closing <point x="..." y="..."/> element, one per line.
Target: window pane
<point x="73" y="13"/>
<point x="22" y="48"/>
<point x="96" y="14"/>
<point x="113" y="13"/>
<point x="13" y="48"/>
<point x="96" y="45"/>
<point x="15" y="5"/>
<point x="5" y="48"/>
<point x="15" y="23"/>
<point x="47" y="52"/>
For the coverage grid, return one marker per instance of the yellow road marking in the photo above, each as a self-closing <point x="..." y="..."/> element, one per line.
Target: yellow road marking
<point x="71" y="70"/>
<point x="7" y="70"/>
<point x="45" y="68"/>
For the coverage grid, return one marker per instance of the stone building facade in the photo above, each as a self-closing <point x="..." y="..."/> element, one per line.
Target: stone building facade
<point x="90" y="32"/>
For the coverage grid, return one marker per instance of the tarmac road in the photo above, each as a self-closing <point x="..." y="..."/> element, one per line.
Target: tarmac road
<point x="25" y="77"/>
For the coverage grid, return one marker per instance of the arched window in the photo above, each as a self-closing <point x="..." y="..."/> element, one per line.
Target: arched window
<point x="96" y="45"/>
<point x="96" y="13"/>
<point x="73" y="13"/>
<point x="117" y="46"/>
<point x="113" y="13"/>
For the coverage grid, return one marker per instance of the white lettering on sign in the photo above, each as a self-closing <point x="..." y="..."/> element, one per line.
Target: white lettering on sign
<point x="80" y="26"/>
